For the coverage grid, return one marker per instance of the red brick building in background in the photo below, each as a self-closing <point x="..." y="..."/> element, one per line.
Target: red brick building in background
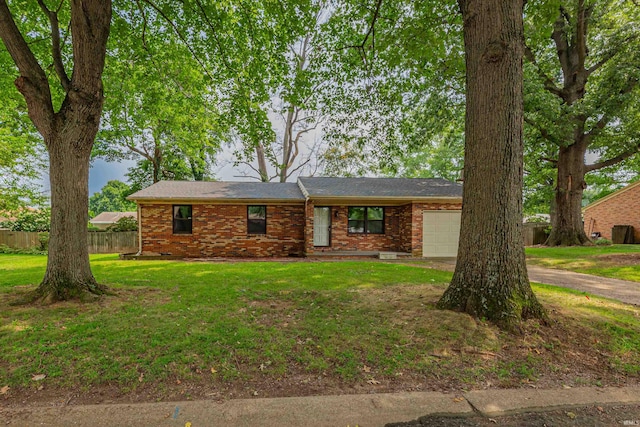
<point x="417" y="217"/>
<point x="619" y="208"/>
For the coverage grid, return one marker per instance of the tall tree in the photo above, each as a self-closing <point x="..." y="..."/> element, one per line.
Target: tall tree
<point x="66" y="111"/>
<point x="299" y="97"/>
<point x="490" y="279"/>
<point x="582" y="100"/>
<point x="160" y="108"/>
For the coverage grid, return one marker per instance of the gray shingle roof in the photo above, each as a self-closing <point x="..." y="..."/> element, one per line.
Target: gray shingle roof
<point x="205" y="190"/>
<point x="380" y="187"/>
<point x="357" y="188"/>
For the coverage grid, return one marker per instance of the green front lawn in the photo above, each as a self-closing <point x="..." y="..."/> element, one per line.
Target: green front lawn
<point x="616" y="261"/>
<point x="240" y="325"/>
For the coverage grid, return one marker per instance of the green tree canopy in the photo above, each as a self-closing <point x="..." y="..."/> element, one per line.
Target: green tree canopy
<point x="21" y="152"/>
<point x="111" y="198"/>
<point x="161" y="109"/>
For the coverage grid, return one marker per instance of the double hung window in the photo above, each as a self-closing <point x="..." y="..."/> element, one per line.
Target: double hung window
<point x="182" y="219"/>
<point x="257" y="219"/>
<point x="366" y="220"/>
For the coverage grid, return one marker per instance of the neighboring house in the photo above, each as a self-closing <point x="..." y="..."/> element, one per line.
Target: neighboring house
<point x="105" y="219"/>
<point x="618" y="208"/>
<point x="418" y="217"/>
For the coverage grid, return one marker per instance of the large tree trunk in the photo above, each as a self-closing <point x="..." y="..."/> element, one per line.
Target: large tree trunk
<point x="262" y="163"/>
<point x="490" y="279"/>
<point x="68" y="273"/>
<point x="567" y="226"/>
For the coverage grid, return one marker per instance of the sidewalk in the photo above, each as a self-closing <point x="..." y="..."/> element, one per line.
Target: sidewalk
<point x="348" y="410"/>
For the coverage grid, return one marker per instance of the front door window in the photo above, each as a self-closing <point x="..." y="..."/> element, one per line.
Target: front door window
<point x="321" y="226"/>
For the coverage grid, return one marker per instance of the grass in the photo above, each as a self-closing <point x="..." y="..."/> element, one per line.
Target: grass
<point x="251" y="322"/>
<point x="615" y="261"/>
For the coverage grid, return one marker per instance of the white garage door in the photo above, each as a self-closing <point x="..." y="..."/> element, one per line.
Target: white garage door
<point x="440" y="233"/>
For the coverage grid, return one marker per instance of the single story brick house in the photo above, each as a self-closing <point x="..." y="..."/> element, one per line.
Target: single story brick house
<point x="621" y="207"/>
<point x="319" y="215"/>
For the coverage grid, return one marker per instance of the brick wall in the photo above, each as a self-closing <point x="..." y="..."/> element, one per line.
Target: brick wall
<point x="621" y="209"/>
<point x="342" y="240"/>
<point x="403" y="230"/>
<point x="221" y="231"/>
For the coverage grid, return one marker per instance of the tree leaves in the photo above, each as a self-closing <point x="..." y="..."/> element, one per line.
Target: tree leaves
<point x="111" y="198"/>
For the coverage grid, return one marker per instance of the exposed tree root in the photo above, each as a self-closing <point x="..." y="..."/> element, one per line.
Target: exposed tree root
<point x="49" y="293"/>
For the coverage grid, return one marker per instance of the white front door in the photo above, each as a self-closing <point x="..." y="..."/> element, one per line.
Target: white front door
<point x="321" y="226"/>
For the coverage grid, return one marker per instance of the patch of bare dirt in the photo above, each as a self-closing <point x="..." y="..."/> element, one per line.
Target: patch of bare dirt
<point x="619" y="260"/>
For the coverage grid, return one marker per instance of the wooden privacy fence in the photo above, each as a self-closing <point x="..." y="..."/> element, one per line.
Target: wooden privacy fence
<point x="98" y="242"/>
<point x="113" y="242"/>
<point x="19" y="239"/>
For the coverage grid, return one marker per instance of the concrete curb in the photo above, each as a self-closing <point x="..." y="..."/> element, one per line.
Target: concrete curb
<point x="346" y="410"/>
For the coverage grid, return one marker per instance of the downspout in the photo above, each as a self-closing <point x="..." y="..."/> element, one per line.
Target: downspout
<point x="139" y="230"/>
<point x="305" y="193"/>
<point x="306" y="224"/>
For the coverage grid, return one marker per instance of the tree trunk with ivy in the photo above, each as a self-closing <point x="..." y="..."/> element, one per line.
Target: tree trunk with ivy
<point x="490" y="280"/>
<point x="68" y="133"/>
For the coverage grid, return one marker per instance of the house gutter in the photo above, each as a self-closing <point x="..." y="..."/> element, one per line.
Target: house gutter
<point x="386" y="199"/>
<point x="217" y="201"/>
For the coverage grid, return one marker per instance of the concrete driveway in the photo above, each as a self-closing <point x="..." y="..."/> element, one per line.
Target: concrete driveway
<point x="621" y="290"/>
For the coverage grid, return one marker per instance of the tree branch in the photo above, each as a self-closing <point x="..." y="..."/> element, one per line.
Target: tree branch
<point x="180" y="36"/>
<point x="372" y="25"/>
<point x="144" y="24"/>
<point x="543" y="132"/>
<point x="32" y="83"/>
<point x="615" y="160"/>
<point x="584" y="13"/>
<point x="611" y="53"/>
<point x="300" y="166"/>
<point x="258" y="178"/>
<point x="562" y="44"/>
<point x="604" y="120"/>
<point x="215" y="36"/>
<point x="56" y="51"/>
<point x="549" y="84"/>
<point x="370" y="33"/>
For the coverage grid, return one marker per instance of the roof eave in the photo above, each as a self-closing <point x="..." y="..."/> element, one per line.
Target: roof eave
<point x="216" y="200"/>
<point x="387" y="199"/>
<point x="611" y="196"/>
